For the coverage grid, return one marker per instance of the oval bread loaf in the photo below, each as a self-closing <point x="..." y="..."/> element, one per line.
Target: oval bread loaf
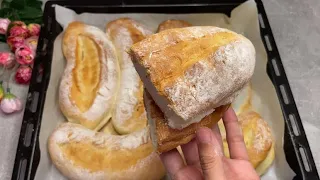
<point x="82" y="154"/>
<point x="129" y="113"/>
<point x="90" y="81"/>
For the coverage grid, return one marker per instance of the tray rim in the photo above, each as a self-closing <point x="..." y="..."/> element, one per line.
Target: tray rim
<point x="27" y="170"/>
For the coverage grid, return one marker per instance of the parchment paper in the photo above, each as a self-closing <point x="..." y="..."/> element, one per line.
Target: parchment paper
<point x="244" y="20"/>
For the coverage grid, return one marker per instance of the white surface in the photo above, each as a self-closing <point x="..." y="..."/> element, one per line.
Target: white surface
<point x="296" y="28"/>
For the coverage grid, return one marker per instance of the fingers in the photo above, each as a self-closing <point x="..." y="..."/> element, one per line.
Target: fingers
<point x="210" y="154"/>
<point x="190" y="152"/>
<point x="188" y="173"/>
<point x="172" y="161"/>
<point x="237" y="148"/>
<point x="216" y="132"/>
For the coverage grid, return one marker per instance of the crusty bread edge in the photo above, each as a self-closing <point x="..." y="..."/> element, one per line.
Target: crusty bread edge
<point x="173" y="139"/>
<point x="73" y="172"/>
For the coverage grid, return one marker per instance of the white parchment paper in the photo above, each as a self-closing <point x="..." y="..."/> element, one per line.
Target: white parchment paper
<point x="244" y="20"/>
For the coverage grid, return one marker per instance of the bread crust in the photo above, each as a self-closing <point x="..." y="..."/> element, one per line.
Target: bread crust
<point x="90" y="81"/>
<point x="129" y="113"/>
<point x="172" y="23"/>
<point x="258" y="139"/>
<point x="194" y="69"/>
<point x="82" y="154"/>
<point x="167" y="138"/>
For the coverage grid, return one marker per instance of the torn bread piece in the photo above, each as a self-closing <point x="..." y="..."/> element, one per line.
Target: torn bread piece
<point x="165" y="138"/>
<point x="83" y="154"/>
<point x="191" y="71"/>
<point x="90" y="81"/>
<point x="172" y="23"/>
<point x="129" y="113"/>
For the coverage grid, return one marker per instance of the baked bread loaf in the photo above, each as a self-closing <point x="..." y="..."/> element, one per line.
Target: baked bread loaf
<point x="129" y="114"/>
<point x="171" y="24"/>
<point x="109" y="129"/>
<point x="165" y="138"/>
<point x="258" y="139"/>
<point x="83" y="154"/>
<point x="191" y="71"/>
<point x="90" y="81"/>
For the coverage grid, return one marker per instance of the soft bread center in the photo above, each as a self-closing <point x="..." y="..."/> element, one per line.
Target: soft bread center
<point x="170" y="63"/>
<point x="95" y="158"/>
<point x="86" y="73"/>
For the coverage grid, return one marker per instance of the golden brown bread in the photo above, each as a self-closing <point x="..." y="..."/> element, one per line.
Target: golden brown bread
<point x="129" y="114"/>
<point x="82" y="154"/>
<point x="90" y="81"/>
<point x="258" y="139"/>
<point x="190" y="71"/>
<point x="109" y="129"/>
<point x="171" y="24"/>
<point x="165" y="138"/>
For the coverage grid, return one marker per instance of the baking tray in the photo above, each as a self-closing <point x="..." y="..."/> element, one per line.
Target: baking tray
<point x="296" y="146"/>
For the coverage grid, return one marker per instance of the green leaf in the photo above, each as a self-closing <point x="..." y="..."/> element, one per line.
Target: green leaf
<point x="9" y="13"/>
<point x="18" y="4"/>
<point x="34" y="3"/>
<point x="30" y="13"/>
<point x="6" y="3"/>
<point x="37" y="20"/>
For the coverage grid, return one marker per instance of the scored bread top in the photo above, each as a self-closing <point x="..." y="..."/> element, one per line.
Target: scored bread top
<point x="90" y="80"/>
<point x="129" y="114"/>
<point x="195" y="69"/>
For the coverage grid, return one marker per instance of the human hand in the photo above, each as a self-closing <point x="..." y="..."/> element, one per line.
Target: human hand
<point x="204" y="155"/>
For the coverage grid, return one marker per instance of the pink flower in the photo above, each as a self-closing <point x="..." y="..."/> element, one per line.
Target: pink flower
<point x="24" y="55"/>
<point x="32" y="42"/>
<point x="14" y="42"/>
<point x="7" y="59"/>
<point x="23" y="75"/>
<point x="21" y="31"/>
<point x="34" y="29"/>
<point x="4" y="23"/>
<point x="10" y="103"/>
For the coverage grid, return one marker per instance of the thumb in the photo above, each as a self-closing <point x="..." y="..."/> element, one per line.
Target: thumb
<point x="210" y="155"/>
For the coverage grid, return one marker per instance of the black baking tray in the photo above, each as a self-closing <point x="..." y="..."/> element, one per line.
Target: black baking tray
<point x="296" y="146"/>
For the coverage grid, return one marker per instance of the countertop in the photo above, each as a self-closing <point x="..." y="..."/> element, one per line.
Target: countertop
<point x="296" y="28"/>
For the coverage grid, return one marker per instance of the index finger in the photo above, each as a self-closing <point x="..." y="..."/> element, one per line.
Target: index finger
<point x="237" y="148"/>
<point x="172" y="161"/>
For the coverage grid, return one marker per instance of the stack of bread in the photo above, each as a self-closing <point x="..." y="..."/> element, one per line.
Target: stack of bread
<point x="130" y="95"/>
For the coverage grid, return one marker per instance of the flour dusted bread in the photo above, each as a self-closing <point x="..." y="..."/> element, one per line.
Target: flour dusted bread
<point x="191" y="71"/>
<point x="109" y="129"/>
<point x="82" y="154"/>
<point x="90" y="81"/>
<point x="165" y="138"/>
<point x="172" y="23"/>
<point x="129" y="114"/>
<point x="258" y="139"/>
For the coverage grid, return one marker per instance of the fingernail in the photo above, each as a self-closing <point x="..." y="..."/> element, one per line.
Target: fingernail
<point x="204" y="135"/>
